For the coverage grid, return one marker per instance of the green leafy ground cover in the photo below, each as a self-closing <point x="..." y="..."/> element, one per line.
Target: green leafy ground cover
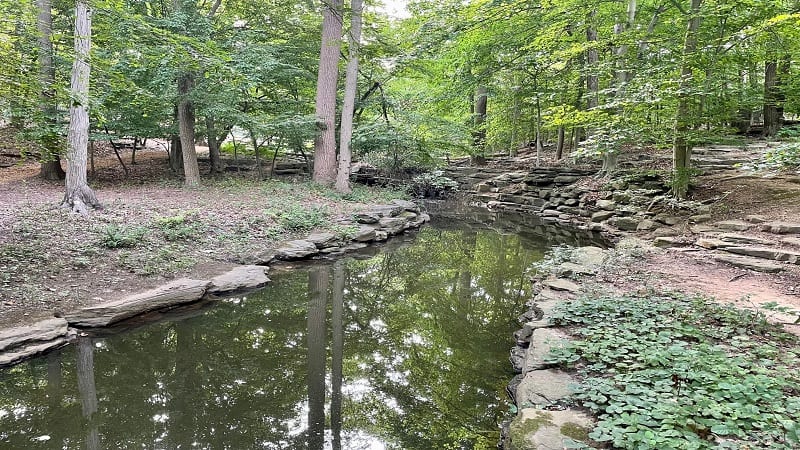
<point x="666" y="371"/>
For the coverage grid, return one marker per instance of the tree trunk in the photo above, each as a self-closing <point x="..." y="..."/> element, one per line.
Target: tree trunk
<point x="87" y="389"/>
<point x="79" y="196"/>
<point x="213" y="147"/>
<point x="592" y="60"/>
<point x="318" y="287"/>
<point x="327" y="80"/>
<point x="481" y="103"/>
<point x="560" y="143"/>
<point x="51" y="163"/>
<point x="186" y="121"/>
<point x="681" y="147"/>
<point x="348" y="108"/>
<point x="774" y="73"/>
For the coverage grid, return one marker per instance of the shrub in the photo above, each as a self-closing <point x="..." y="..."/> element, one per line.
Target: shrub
<point x="115" y="236"/>
<point x="433" y="184"/>
<point x="297" y="217"/>
<point x="177" y="228"/>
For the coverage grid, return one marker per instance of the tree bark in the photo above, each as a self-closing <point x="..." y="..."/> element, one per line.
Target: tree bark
<point x="681" y="146"/>
<point x="186" y="122"/>
<point x="350" y="89"/>
<point x="87" y="389"/>
<point x="337" y="352"/>
<point x="592" y="60"/>
<point x="51" y="163"/>
<point x="79" y="196"/>
<point x="773" y="96"/>
<point x="481" y="103"/>
<point x="327" y="81"/>
<point x="213" y="147"/>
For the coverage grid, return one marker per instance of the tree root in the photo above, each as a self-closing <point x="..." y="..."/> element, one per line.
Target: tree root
<point x="80" y="199"/>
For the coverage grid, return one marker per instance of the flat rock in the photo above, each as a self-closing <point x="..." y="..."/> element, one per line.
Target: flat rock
<point x="756" y="264"/>
<point x="734" y="225"/>
<point x="571" y="269"/>
<point x="588" y="256"/>
<point x="647" y="225"/>
<point x="323" y="240"/>
<point x="534" y="429"/>
<point x="30" y="350"/>
<point x="176" y="293"/>
<point x="393" y="225"/>
<point x="606" y="205"/>
<point x="625" y="223"/>
<point x="781" y="227"/>
<point x="367" y="217"/>
<point x="665" y="232"/>
<point x="238" y="279"/>
<point x="562" y="284"/>
<point x="742" y="239"/>
<point x="406" y="205"/>
<point x="755" y="219"/>
<point x="543" y="341"/>
<point x="711" y="243"/>
<point x="600" y="216"/>
<point x="791" y="241"/>
<point x="42" y="331"/>
<point x="542" y="388"/>
<point x="298" y="249"/>
<point x="766" y="253"/>
<point x="668" y="220"/>
<point x="668" y="242"/>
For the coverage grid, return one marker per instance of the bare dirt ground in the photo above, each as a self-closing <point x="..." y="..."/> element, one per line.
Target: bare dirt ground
<point x="151" y="229"/>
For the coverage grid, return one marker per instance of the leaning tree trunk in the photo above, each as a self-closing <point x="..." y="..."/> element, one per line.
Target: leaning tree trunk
<point x="51" y="164"/>
<point x="327" y="80"/>
<point x="681" y="147"/>
<point x="79" y="196"/>
<point x="348" y="108"/>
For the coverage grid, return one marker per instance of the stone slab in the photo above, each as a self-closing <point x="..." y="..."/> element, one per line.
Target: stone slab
<point x="42" y="331"/>
<point x="767" y="253"/>
<point x="588" y="256"/>
<point x="543" y="341"/>
<point x="562" y="284"/>
<point x="543" y="388"/>
<point x="323" y="240"/>
<point x="734" y="225"/>
<point x="364" y="234"/>
<point x="756" y="264"/>
<point x="781" y="227"/>
<point x="239" y="279"/>
<point x="176" y="293"/>
<point x="298" y="249"/>
<point x="394" y="225"/>
<point x="18" y="354"/>
<point x="742" y="239"/>
<point x="534" y="429"/>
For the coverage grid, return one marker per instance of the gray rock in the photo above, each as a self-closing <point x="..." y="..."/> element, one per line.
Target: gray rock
<point x="261" y="258"/>
<point x="572" y="269"/>
<point x="668" y="220"/>
<point x="364" y="234"/>
<point x="700" y="218"/>
<point x="561" y="284"/>
<point x="39" y="332"/>
<point x="393" y="225"/>
<point x="406" y="205"/>
<point x="543" y="388"/>
<point x="647" y="225"/>
<point x="733" y="225"/>
<point x="353" y="246"/>
<point x="17" y="354"/>
<point x="667" y="242"/>
<point x="759" y="265"/>
<point x="534" y="429"/>
<point x="367" y="217"/>
<point x="625" y="223"/>
<point x="176" y="293"/>
<point x="565" y="179"/>
<point x="323" y="240"/>
<point x="606" y="205"/>
<point x="781" y="227"/>
<point x="712" y="244"/>
<point x="239" y="278"/>
<point x="791" y="241"/>
<point x="381" y="236"/>
<point x="621" y="197"/>
<point x="602" y="215"/>
<point x="767" y="253"/>
<point x="742" y="239"/>
<point x="299" y="249"/>
<point x="483" y="188"/>
<point x="543" y="341"/>
<point x="588" y="256"/>
<point x="755" y="219"/>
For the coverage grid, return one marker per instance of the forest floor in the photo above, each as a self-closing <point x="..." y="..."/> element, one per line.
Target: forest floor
<point x="151" y="229"/>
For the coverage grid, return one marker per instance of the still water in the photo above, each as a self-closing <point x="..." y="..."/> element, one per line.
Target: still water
<point x="402" y="348"/>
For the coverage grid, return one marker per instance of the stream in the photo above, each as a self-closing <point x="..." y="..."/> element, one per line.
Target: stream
<point x="403" y="346"/>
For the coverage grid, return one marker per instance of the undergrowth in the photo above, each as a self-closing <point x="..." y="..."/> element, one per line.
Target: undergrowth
<point x="673" y="372"/>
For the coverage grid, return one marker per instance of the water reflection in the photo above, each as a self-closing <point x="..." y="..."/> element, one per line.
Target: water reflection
<point x="406" y="349"/>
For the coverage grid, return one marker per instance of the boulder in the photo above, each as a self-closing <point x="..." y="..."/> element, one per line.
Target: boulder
<point x="791" y="241"/>
<point x="406" y="205"/>
<point x="543" y="341"/>
<point x="606" y="205"/>
<point x="591" y="257"/>
<point x="667" y="242"/>
<point x="238" y="279"/>
<point x="364" y="234"/>
<point x="646" y="225"/>
<point x="625" y="223"/>
<point x="668" y="220"/>
<point x="176" y="293"/>
<point x="602" y="215"/>
<point x="299" y="249"/>
<point x="561" y="284"/>
<point x="393" y="225"/>
<point x="323" y="240"/>
<point x="665" y="232"/>
<point x="367" y="217"/>
<point x="17" y="354"/>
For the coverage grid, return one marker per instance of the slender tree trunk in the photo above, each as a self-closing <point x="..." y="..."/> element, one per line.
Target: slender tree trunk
<point x="350" y="89"/>
<point x="592" y="60"/>
<point x="773" y="101"/>
<point x="318" y="287"/>
<point x="515" y="114"/>
<point x="213" y="147"/>
<point x="327" y="81"/>
<point x="560" y="143"/>
<point x="481" y="103"/>
<point x="681" y="147"/>
<point x="51" y="163"/>
<point x="186" y="122"/>
<point x="79" y="196"/>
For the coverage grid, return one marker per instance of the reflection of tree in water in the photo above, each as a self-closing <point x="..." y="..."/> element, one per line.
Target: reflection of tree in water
<point x="419" y="341"/>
